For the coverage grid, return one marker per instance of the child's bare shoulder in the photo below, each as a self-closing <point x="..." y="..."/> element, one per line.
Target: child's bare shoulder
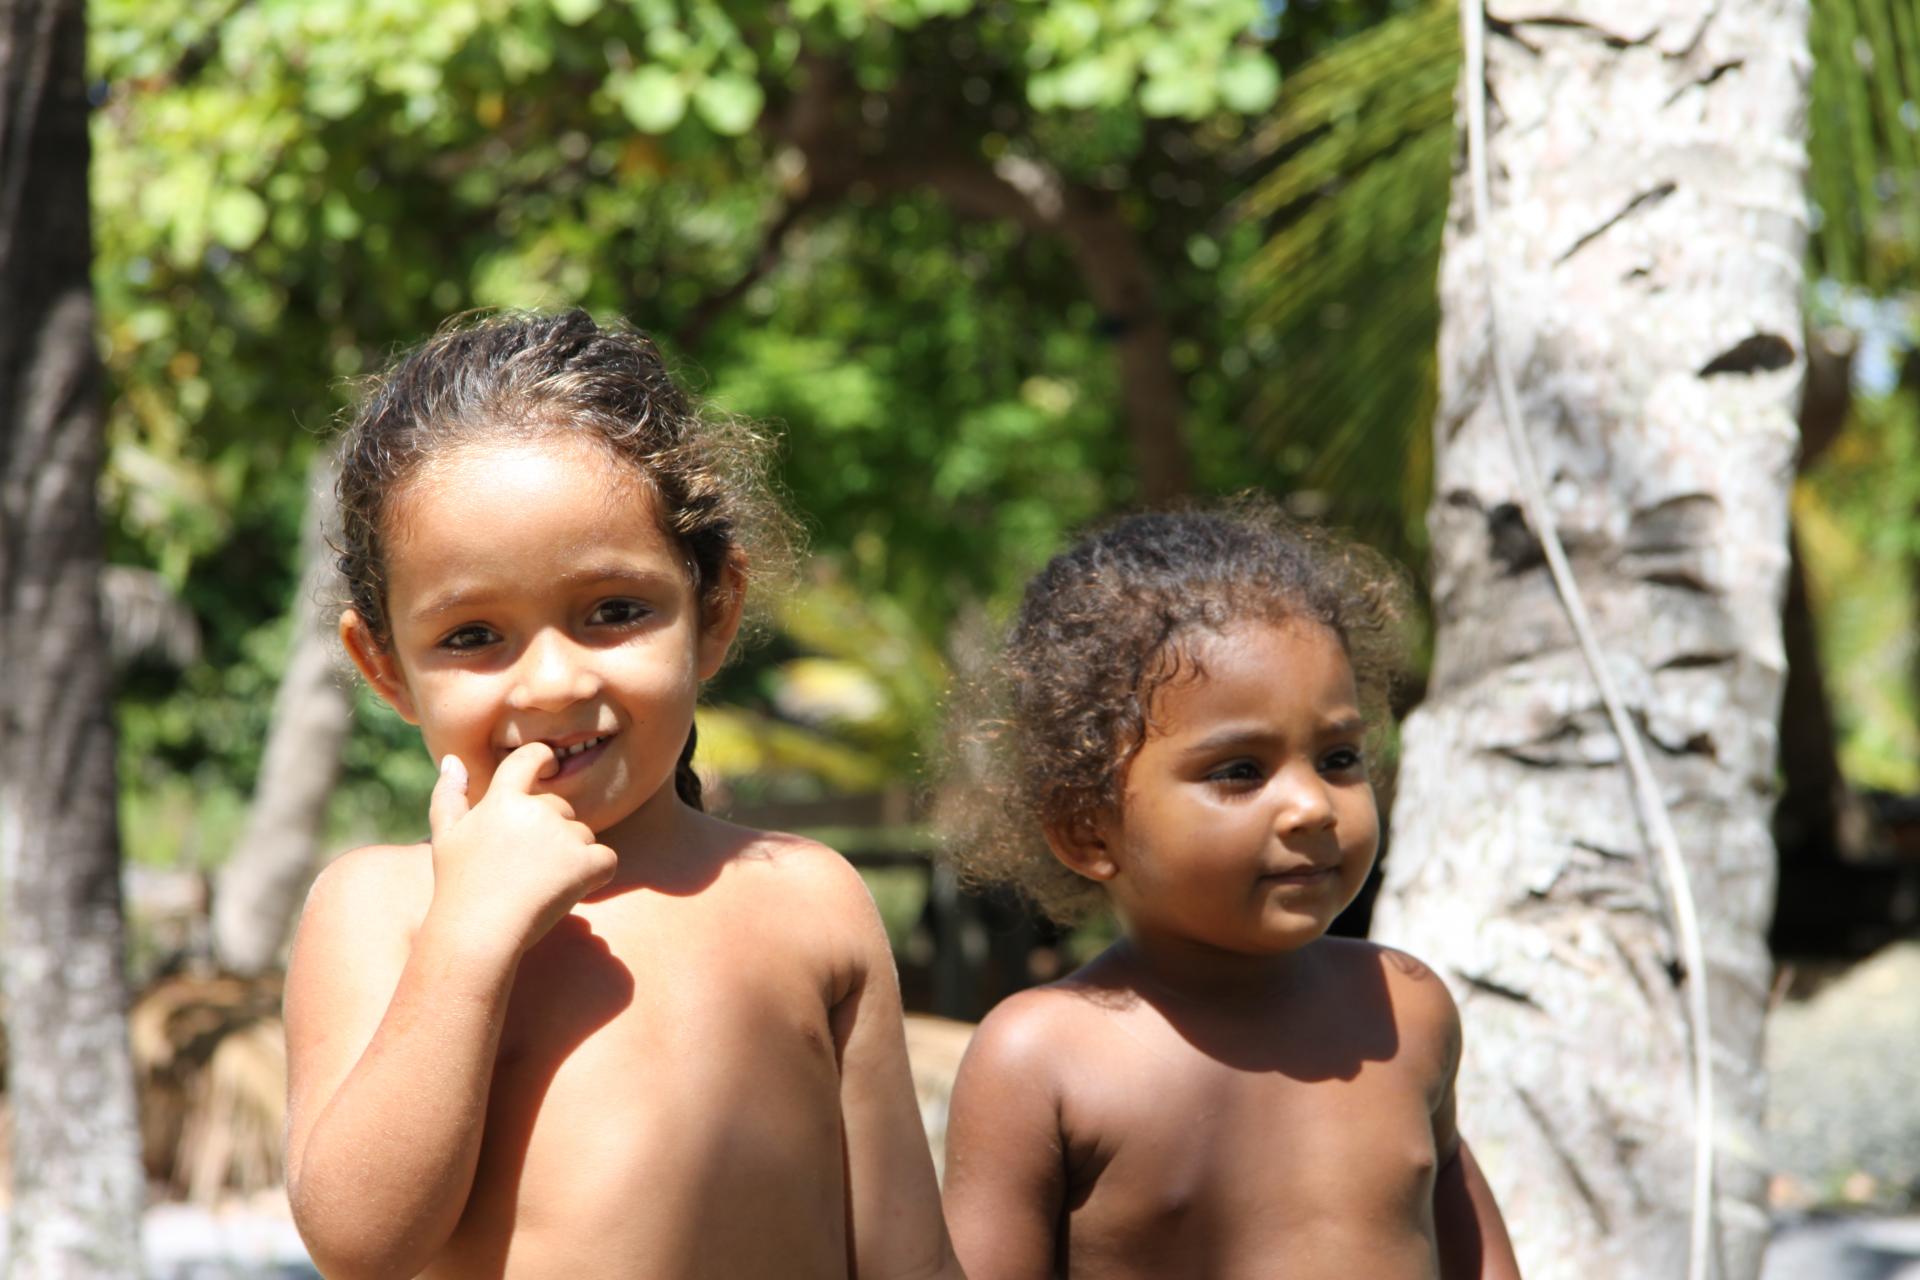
<point x="1031" y="1031"/>
<point x="355" y="932"/>
<point x="796" y="862"/>
<point x="381" y="888"/>
<point x="1423" y="1009"/>
<point x="803" y="881"/>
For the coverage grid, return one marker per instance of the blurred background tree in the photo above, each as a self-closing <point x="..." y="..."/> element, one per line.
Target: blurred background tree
<point x="76" y="1194"/>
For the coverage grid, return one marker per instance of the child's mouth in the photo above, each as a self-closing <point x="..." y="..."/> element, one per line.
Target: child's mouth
<point x="1305" y="875"/>
<point x="580" y="755"/>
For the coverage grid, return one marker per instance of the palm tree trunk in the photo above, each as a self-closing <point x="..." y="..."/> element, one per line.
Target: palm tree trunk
<point x="77" y="1182"/>
<point x="1647" y="232"/>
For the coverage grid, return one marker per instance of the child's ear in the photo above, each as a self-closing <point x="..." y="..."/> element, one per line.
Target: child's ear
<point x="376" y="664"/>
<point x="1082" y="844"/>
<point x="720" y="614"/>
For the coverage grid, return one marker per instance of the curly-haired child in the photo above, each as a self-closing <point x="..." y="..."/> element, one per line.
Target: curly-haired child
<point x="1225" y="1092"/>
<point x="586" y="1029"/>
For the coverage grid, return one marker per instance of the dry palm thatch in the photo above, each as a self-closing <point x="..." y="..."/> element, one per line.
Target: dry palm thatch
<point x="210" y="1055"/>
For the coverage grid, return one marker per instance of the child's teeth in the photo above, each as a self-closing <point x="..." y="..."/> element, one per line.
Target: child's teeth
<point x="578" y="747"/>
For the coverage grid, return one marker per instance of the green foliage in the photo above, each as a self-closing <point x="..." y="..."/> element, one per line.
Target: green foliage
<point x="1865" y="143"/>
<point x="1352" y="200"/>
<point x="1858" y="516"/>
<point x="289" y="190"/>
<point x="1859" y="511"/>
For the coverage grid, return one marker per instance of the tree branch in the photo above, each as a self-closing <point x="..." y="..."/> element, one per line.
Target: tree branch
<point x="1114" y="269"/>
<point x="196" y="56"/>
<point x="772" y="243"/>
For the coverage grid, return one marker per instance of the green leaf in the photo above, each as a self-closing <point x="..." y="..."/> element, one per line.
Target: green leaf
<point x="652" y="97"/>
<point x="1176" y="95"/>
<point x="575" y="12"/>
<point x="1086" y="82"/>
<point x="729" y="103"/>
<point x="237" y="218"/>
<point x="1249" y="82"/>
<point x="335" y="99"/>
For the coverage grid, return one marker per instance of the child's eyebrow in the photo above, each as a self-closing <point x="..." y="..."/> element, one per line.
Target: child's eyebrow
<point x="1244" y="735"/>
<point x="466" y="596"/>
<point x="637" y="575"/>
<point x="448" y="601"/>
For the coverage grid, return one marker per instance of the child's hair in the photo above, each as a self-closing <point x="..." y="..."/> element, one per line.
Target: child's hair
<point x="512" y="377"/>
<point x="1102" y="628"/>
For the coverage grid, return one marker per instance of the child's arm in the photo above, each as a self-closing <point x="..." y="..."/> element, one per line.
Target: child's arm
<point x="391" y="1039"/>
<point x="1006" y="1164"/>
<point x="1467" y="1226"/>
<point x="896" y="1231"/>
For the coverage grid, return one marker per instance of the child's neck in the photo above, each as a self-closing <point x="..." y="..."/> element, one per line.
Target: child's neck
<point x="661" y="844"/>
<point x="1187" y="969"/>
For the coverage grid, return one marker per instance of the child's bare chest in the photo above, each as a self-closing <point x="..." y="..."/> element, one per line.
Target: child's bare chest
<point x="656" y="1073"/>
<point x="1183" y="1165"/>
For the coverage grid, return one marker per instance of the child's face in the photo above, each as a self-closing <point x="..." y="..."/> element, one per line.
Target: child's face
<point x="533" y="597"/>
<point x="1248" y="820"/>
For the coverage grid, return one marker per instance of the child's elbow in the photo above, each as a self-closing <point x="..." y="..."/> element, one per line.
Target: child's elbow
<point x="937" y="1265"/>
<point x="348" y="1245"/>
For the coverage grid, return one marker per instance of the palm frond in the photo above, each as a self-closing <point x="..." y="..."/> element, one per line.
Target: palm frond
<point x="1342" y="294"/>
<point x="1865" y="143"/>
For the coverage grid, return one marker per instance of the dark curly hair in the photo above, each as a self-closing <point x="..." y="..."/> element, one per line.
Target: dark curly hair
<point x="525" y="376"/>
<point x="1048" y="738"/>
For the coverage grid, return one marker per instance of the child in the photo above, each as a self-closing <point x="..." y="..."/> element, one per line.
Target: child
<point x="587" y="1030"/>
<point x="1225" y="1092"/>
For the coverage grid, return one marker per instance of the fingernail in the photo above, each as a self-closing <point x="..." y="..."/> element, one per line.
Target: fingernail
<point x="450" y="767"/>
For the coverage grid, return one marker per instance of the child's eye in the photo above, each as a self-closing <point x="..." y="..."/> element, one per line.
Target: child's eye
<point x="471" y="636"/>
<point x="1238" y="773"/>
<point x="1342" y="760"/>
<point x="618" y="612"/>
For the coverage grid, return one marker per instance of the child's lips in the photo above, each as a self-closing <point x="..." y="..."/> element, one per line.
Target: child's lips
<point x="1302" y="875"/>
<point x="580" y="755"/>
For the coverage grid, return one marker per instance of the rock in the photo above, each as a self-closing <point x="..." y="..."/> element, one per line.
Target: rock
<point x="1843" y="1113"/>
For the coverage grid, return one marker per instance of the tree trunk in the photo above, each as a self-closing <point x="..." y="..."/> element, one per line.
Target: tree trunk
<point x="77" y="1182"/>
<point x="263" y="880"/>
<point x="1647" y="234"/>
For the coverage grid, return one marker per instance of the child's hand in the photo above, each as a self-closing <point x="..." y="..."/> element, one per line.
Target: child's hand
<point x="512" y="865"/>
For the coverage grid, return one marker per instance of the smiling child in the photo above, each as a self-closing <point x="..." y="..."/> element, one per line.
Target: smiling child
<point x="586" y="1029"/>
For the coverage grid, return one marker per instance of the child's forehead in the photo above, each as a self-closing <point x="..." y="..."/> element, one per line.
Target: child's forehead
<point x="1205" y="670"/>
<point x="482" y="503"/>
<point x="1190" y="651"/>
<point x="473" y="476"/>
<point x="568" y="456"/>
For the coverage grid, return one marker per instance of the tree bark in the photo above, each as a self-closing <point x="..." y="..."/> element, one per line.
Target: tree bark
<point x="77" y="1183"/>
<point x="263" y="880"/>
<point x="1647" y="234"/>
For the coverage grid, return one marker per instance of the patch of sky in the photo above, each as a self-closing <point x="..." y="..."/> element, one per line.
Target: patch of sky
<point x="1887" y="328"/>
<point x="1268" y="25"/>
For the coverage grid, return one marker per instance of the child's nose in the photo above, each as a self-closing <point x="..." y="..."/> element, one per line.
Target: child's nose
<point x="1306" y="805"/>
<point x="552" y="674"/>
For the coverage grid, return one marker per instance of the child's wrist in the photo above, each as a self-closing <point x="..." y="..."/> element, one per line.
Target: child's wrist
<point x="467" y="945"/>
